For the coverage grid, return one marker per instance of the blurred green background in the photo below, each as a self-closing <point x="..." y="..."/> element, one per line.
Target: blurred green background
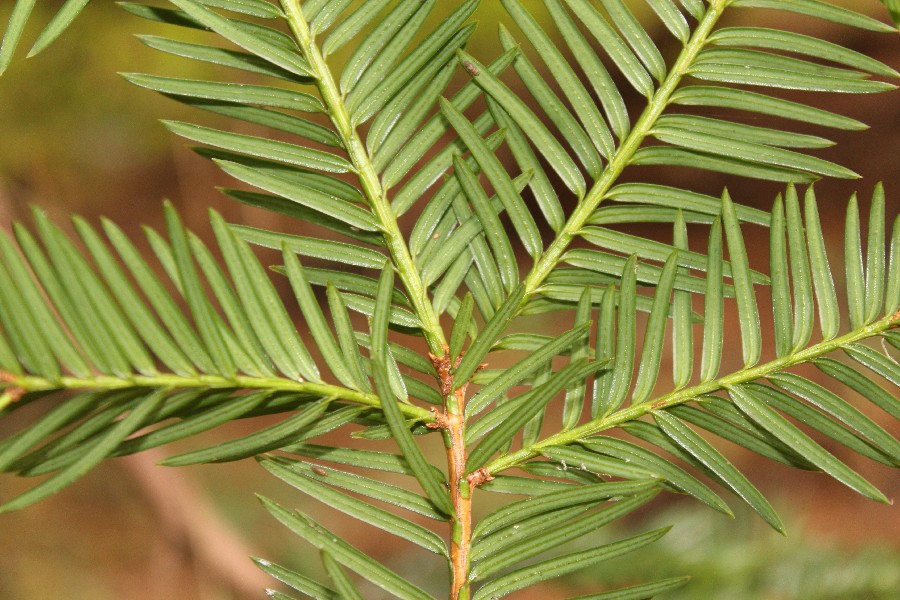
<point x="76" y="138"/>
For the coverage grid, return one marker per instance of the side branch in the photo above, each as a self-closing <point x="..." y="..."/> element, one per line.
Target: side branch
<point x="622" y="158"/>
<point x="368" y="178"/>
<point x="15" y="386"/>
<point x="685" y="395"/>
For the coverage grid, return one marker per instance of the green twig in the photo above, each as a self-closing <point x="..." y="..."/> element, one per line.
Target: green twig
<point x="26" y="384"/>
<point x="369" y="181"/>
<point x="684" y="395"/>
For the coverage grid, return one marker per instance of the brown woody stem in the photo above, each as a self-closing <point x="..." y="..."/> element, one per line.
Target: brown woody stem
<point x="453" y="422"/>
<point x="460" y="495"/>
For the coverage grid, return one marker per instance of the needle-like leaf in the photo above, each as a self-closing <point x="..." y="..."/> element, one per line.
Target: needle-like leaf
<point x="803" y="444"/>
<point x="488" y="335"/>
<point x="358" y="509"/>
<point x="745" y="294"/>
<point x="703" y="451"/>
<point x="537" y="132"/>
<point x="425" y="474"/>
<point x="527" y="367"/>
<point x="345" y="554"/>
<point x="344" y="586"/>
<point x="92" y="456"/>
<point x="557" y="567"/>
<point x="284" y="57"/>
<point x="651" y="353"/>
<point x="267" y="439"/>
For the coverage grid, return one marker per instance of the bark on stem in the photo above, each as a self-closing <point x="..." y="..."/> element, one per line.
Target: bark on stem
<point x="460" y="495"/>
<point x="461" y="529"/>
<point x="453" y="422"/>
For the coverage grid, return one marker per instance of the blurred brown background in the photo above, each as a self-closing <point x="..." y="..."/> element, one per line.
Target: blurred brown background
<point x="76" y="138"/>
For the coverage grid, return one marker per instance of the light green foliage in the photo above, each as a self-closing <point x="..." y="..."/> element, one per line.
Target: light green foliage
<point x="459" y="195"/>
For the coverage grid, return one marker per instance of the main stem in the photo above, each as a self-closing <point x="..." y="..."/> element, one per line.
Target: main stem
<point x="452" y="421"/>
<point x="460" y="496"/>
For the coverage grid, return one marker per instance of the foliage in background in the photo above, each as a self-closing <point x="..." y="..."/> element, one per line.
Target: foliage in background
<point x="390" y="155"/>
<point x="894" y="7"/>
<point x="750" y="563"/>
